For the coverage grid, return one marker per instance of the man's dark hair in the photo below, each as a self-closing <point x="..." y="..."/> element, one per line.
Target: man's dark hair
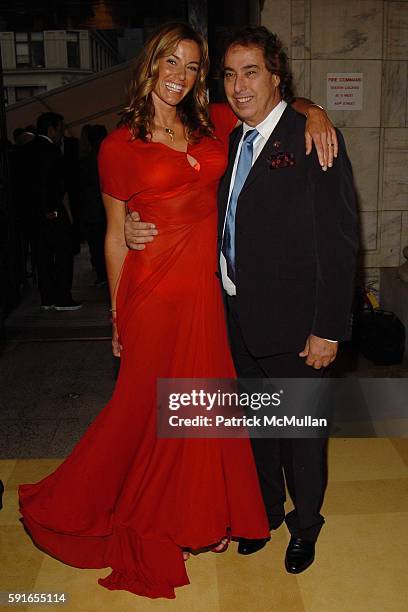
<point x="47" y="120"/>
<point x="271" y="46"/>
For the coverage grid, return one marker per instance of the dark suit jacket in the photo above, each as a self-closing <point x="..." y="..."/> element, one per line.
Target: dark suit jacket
<point x="48" y="178"/>
<point x="23" y="176"/>
<point x="296" y="243"/>
<point x="71" y="169"/>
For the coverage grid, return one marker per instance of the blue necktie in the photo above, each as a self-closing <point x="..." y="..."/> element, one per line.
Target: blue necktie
<point x="243" y="167"/>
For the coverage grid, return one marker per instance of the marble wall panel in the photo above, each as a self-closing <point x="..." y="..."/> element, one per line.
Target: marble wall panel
<point x="368" y="230"/>
<point x="298" y="71"/>
<point x="390" y="238"/>
<point x="276" y="16"/>
<point x="395" y="186"/>
<point x="348" y="30"/>
<point x="390" y="234"/>
<point x="363" y="147"/>
<point x="290" y="19"/>
<point x="406" y="109"/>
<point x="380" y="259"/>
<point x="396" y="40"/>
<point x="301" y="11"/>
<point x="396" y="139"/>
<point x="388" y="253"/>
<point x="301" y="77"/>
<point x="394" y="93"/>
<point x="395" y="180"/>
<point x="368" y="36"/>
<point x="369" y="116"/>
<point x="404" y="235"/>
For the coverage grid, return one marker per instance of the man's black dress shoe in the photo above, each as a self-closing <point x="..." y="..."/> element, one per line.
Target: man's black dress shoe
<point x="299" y="555"/>
<point x="247" y="547"/>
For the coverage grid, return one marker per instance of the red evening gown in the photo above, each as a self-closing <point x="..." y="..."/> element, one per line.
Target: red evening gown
<point x="124" y="498"/>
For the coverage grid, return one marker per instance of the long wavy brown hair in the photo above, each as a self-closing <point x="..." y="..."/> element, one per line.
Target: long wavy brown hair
<point x="192" y="110"/>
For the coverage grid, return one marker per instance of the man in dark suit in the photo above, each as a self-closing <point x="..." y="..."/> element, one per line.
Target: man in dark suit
<point x="69" y="147"/>
<point x="21" y="176"/>
<point x="287" y="251"/>
<point x="53" y="220"/>
<point x="287" y="244"/>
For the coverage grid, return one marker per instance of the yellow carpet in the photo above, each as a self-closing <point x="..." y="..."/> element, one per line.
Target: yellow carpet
<point x="361" y="556"/>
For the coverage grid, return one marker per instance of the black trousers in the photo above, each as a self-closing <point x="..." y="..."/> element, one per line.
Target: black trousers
<point x="55" y="261"/>
<point x="302" y="462"/>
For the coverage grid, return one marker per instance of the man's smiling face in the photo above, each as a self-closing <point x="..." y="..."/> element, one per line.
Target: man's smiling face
<point x="251" y="89"/>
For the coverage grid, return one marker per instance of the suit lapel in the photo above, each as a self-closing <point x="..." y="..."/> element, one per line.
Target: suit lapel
<point x="275" y="144"/>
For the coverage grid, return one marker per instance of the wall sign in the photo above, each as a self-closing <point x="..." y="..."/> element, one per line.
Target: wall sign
<point x="345" y="91"/>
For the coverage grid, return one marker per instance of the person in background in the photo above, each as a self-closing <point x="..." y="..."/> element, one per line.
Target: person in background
<point x="69" y="147"/>
<point x="17" y="136"/>
<point x="22" y="136"/>
<point x="93" y="217"/>
<point x="22" y="181"/>
<point x="53" y="216"/>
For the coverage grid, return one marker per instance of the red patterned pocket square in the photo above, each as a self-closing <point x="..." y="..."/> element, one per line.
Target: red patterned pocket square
<point x="281" y="160"/>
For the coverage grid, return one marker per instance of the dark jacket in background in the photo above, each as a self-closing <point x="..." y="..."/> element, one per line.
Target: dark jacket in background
<point x="55" y="239"/>
<point x="72" y="184"/>
<point x="47" y="178"/>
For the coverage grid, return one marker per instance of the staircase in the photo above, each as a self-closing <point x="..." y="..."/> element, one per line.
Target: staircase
<point x="98" y="98"/>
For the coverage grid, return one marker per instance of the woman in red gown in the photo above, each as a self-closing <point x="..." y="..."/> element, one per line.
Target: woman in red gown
<point x="124" y="498"/>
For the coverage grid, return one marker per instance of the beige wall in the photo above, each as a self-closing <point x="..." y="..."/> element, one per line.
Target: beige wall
<point x="368" y="36"/>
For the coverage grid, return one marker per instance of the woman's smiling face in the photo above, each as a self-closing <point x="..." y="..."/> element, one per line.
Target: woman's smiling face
<point x="177" y="73"/>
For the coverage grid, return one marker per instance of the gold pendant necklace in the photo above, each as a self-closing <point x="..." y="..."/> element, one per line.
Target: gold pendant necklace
<point x="170" y="132"/>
